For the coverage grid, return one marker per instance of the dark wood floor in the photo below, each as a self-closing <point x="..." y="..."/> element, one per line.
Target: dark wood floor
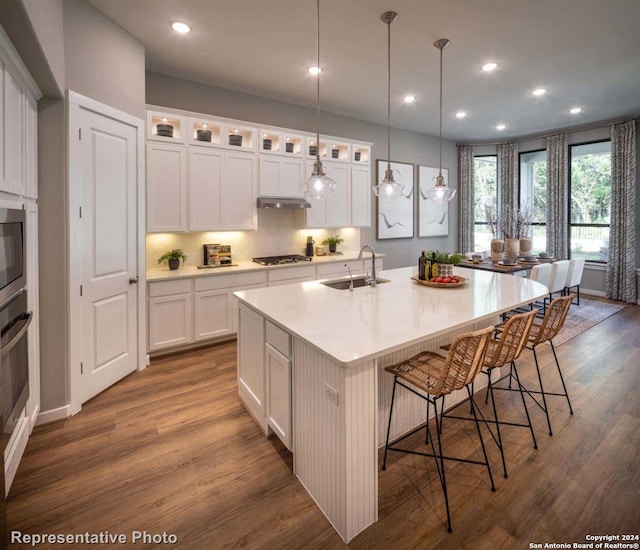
<point x="171" y="449"/>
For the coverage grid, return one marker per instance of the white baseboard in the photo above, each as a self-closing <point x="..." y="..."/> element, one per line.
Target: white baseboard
<point x="54" y="414"/>
<point x="15" y="450"/>
<point x="599" y="293"/>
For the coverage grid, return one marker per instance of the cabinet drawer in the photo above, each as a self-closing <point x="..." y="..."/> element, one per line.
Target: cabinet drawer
<point x="279" y="339"/>
<point x="338" y="268"/>
<point x="231" y="280"/>
<point x="300" y="272"/>
<point x="166" y="288"/>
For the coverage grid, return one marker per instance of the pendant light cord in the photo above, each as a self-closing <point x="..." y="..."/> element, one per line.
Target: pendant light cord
<point x="318" y="82"/>
<point x="440" y="163"/>
<point x="389" y="95"/>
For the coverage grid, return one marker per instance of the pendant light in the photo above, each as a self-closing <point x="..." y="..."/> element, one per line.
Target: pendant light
<point x="440" y="193"/>
<point x="388" y="188"/>
<point x="318" y="185"/>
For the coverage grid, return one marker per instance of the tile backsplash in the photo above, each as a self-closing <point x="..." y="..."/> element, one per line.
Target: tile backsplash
<point x="277" y="234"/>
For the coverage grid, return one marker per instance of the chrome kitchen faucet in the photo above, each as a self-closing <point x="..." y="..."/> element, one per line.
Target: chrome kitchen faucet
<point x="372" y="280"/>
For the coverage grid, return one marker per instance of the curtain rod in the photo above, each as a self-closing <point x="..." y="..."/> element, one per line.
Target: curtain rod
<point x="555" y="133"/>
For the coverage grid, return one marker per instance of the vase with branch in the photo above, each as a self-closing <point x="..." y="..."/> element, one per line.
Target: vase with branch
<point x="497" y="244"/>
<point x="515" y="226"/>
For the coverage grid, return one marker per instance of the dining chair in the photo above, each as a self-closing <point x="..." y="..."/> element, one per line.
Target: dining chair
<point x="438" y="376"/>
<point x="558" y="279"/>
<point x="503" y="350"/>
<point x="574" y="277"/>
<point x="542" y="274"/>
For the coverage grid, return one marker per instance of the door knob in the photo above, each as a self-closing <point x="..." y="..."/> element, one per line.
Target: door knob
<point x="133" y="281"/>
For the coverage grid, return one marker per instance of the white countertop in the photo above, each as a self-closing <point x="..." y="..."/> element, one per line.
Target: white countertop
<point x="165" y="274"/>
<point x="351" y="327"/>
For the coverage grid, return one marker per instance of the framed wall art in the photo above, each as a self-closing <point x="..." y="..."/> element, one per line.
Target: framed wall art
<point x="395" y="216"/>
<point x="433" y="218"/>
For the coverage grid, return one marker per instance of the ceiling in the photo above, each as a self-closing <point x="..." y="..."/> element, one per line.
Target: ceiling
<point x="585" y="52"/>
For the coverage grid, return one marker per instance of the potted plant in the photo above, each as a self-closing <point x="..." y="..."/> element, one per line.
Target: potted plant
<point x="173" y="257"/>
<point x="333" y="242"/>
<point x="443" y="262"/>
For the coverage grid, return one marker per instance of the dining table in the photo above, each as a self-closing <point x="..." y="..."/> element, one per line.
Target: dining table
<point x="498" y="267"/>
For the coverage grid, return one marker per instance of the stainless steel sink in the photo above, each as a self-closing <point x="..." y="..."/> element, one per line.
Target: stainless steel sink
<point x="343" y="284"/>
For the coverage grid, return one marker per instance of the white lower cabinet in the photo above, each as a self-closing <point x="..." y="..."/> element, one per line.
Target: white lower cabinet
<point x="197" y="309"/>
<point x="278" y="373"/>
<point x="265" y="373"/>
<point x="288" y="275"/>
<point x="251" y="370"/>
<point x="170" y="313"/>
<point x="213" y="314"/>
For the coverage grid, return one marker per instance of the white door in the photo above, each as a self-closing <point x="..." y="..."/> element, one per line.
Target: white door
<point x="239" y="191"/>
<point x="108" y="249"/>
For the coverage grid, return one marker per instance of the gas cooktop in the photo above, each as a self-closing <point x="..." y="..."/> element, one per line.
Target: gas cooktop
<point x="279" y="260"/>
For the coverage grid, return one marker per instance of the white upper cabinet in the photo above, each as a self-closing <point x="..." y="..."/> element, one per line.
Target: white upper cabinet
<point x="338" y="202"/>
<point x="221" y="133"/>
<point x="360" y="196"/>
<point x="361" y="154"/>
<point x="30" y="147"/>
<point x="281" y="176"/>
<point x="280" y="142"/>
<point x="13" y="100"/>
<point x="18" y="124"/>
<point x="166" y="127"/>
<point x="205" y="173"/>
<point x="239" y="192"/>
<point x="166" y="187"/>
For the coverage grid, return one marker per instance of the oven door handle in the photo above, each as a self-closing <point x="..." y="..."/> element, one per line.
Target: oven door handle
<point x="27" y="318"/>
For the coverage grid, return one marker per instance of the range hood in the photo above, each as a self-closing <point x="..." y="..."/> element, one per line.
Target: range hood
<point x="282" y="202"/>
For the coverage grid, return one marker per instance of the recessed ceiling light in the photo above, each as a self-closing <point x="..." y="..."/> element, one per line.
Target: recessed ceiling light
<point x="539" y="91"/>
<point x="461" y="114"/>
<point x="409" y="98"/>
<point x="501" y="126"/>
<point x="575" y="110"/>
<point x="315" y="70"/>
<point x="180" y="27"/>
<point x="488" y="67"/>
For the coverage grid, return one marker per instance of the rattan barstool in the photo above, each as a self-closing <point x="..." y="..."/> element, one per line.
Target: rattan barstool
<point x="504" y="350"/>
<point x="437" y="376"/>
<point x="540" y="333"/>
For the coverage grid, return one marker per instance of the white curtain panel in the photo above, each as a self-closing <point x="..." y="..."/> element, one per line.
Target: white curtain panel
<point x="621" y="261"/>
<point x="557" y="195"/>
<point x="508" y="182"/>
<point x="466" y="199"/>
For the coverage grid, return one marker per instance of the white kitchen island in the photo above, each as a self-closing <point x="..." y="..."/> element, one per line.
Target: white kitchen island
<point x="311" y="368"/>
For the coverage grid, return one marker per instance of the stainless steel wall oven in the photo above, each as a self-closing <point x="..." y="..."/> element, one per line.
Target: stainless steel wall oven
<point x="14" y="319"/>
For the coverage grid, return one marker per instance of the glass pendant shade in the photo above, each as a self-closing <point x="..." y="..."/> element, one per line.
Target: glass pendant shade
<point x="440" y="193"/>
<point x="388" y="188"/>
<point x="318" y="185"/>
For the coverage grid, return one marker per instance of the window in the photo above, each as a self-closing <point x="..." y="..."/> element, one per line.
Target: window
<point x="485" y="186"/>
<point x="590" y="200"/>
<point x="533" y="194"/>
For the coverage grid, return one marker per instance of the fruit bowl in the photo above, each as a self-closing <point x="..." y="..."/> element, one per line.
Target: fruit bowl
<point x="433" y="283"/>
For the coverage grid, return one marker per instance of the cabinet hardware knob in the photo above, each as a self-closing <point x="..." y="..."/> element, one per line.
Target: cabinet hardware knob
<point x="133" y="281"/>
